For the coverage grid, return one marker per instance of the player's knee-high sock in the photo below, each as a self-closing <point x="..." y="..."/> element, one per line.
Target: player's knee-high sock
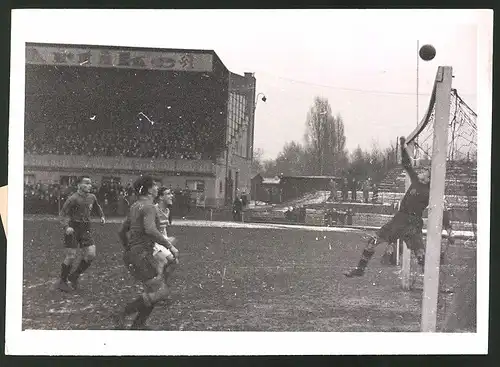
<point x="365" y="258"/>
<point x="65" y="270"/>
<point x="82" y="266"/>
<point x="367" y="253"/>
<point x="135" y="306"/>
<point x="142" y="317"/>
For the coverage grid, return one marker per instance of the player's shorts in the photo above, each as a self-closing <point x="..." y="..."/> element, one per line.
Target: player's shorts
<point x="141" y="263"/>
<point x="162" y="255"/>
<point x="405" y="227"/>
<point x="81" y="237"/>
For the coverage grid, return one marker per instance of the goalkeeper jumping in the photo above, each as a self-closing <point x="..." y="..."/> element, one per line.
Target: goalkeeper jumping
<point x="407" y="223"/>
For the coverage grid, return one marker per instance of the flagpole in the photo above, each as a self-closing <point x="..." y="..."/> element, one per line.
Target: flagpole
<point x="418" y="64"/>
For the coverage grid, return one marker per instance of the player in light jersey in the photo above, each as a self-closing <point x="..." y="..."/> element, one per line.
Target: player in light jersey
<point x="166" y="260"/>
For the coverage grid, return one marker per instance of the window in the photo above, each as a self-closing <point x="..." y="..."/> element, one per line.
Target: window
<point x="196" y="185"/>
<point x="68" y="180"/>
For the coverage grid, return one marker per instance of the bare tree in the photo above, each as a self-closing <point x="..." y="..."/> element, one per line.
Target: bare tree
<point x="291" y="160"/>
<point x="257" y="162"/>
<point x="325" y="139"/>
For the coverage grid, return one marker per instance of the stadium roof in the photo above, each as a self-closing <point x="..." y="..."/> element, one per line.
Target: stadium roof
<point x="127" y="48"/>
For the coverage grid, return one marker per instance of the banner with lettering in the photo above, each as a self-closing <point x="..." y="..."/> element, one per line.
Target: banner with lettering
<point x="113" y="58"/>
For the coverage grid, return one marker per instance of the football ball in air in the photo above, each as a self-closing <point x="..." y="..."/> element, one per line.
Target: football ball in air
<point x="427" y="52"/>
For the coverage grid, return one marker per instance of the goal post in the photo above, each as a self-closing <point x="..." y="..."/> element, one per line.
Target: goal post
<point x="445" y="136"/>
<point x="435" y="125"/>
<point x="421" y="128"/>
<point x="436" y="202"/>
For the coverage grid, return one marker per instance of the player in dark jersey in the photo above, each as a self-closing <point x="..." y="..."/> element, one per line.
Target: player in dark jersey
<point x="75" y="216"/>
<point x="139" y="234"/>
<point x="407" y="223"/>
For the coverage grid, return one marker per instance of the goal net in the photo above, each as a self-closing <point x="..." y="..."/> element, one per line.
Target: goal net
<point x="445" y="141"/>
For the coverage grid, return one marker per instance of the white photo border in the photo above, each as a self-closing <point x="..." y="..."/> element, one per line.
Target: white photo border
<point x="35" y="26"/>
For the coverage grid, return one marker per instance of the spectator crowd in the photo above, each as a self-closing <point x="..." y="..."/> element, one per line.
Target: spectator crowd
<point x="115" y="199"/>
<point x="141" y="139"/>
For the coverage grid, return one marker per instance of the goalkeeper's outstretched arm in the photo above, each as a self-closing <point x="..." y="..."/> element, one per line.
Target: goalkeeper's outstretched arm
<point x="406" y="160"/>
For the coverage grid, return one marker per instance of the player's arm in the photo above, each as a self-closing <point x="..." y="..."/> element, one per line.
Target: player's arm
<point x="64" y="214"/>
<point x="122" y="233"/>
<point x="99" y="209"/>
<point x="406" y="160"/>
<point x="150" y="227"/>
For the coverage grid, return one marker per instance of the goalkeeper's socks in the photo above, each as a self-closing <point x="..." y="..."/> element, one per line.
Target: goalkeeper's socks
<point x="65" y="270"/>
<point x="365" y="258"/>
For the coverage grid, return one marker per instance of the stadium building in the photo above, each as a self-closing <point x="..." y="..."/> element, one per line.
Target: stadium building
<point x="116" y="112"/>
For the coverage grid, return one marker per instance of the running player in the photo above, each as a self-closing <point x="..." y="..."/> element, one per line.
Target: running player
<point x="75" y="215"/>
<point x="138" y="234"/>
<point x="407" y="223"/>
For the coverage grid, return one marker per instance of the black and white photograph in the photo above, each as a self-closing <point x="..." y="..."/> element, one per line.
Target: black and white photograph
<point x="249" y="182"/>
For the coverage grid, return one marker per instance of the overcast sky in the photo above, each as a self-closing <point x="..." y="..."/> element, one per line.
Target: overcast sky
<point x="364" y="62"/>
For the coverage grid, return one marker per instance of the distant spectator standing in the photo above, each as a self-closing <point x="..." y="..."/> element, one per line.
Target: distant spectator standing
<point x="375" y="193"/>
<point x="237" y="209"/>
<point x="366" y="190"/>
<point x="354" y="188"/>
<point x="187" y="199"/>
<point x="333" y="191"/>
<point x="244" y="200"/>
<point x="345" y="189"/>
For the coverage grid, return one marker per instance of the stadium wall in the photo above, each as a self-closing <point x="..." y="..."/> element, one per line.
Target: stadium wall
<point x="237" y="160"/>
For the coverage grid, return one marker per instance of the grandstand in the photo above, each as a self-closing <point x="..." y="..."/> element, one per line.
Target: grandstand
<point x="116" y="112"/>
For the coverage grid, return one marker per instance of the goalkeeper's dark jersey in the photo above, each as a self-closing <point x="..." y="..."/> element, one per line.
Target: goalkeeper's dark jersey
<point x="416" y="198"/>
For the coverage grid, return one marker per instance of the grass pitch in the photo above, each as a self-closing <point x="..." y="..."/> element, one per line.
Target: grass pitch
<point x="237" y="278"/>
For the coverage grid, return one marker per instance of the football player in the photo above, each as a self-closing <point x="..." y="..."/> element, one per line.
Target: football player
<point x="166" y="260"/>
<point x="407" y="223"/>
<point x="139" y="233"/>
<point x="75" y="216"/>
